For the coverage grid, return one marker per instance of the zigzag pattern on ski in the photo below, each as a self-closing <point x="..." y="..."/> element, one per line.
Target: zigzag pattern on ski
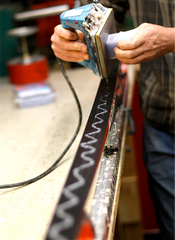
<point x="73" y="199"/>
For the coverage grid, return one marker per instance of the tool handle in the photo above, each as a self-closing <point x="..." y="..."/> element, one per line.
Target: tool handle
<point x="112" y="40"/>
<point x="77" y="19"/>
<point x="73" y="27"/>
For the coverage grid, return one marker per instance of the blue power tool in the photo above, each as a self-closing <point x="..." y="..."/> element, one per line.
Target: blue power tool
<point x="98" y="25"/>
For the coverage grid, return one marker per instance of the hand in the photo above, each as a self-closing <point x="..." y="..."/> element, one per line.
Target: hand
<point x="151" y="42"/>
<point x="69" y="46"/>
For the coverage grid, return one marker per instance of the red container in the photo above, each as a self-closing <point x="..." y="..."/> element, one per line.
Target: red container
<point x="26" y="72"/>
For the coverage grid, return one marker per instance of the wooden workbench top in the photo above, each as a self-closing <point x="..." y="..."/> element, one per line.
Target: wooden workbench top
<point x="31" y="140"/>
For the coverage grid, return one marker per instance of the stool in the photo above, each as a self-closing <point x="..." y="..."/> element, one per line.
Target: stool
<point x="26" y="69"/>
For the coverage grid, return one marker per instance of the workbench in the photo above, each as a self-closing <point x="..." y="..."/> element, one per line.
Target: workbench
<point x="31" y="140"/>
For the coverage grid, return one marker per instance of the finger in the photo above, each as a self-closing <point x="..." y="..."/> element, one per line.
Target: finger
<point x="128" y="54"/>
<point x="74" y="46"/>
<point x="69" y="59"/>
<point x="133" y="43"/>
<point x="58" y="42"/>
<point x="72" y="56"/>
<point x="127" y="61"/>
<point x="65" y="33"/>
<point x="139" y="59"/>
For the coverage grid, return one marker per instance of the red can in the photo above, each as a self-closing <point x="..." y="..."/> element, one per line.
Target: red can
<point x="32" y="70"/>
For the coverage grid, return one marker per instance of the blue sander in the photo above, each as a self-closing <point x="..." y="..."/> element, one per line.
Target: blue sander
<point x="98" y="25"/>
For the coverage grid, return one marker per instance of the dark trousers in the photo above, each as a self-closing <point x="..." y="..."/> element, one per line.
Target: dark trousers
<point x="159" y="159"/>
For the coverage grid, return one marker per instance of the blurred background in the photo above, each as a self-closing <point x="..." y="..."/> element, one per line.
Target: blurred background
<point x="39" y="43"/>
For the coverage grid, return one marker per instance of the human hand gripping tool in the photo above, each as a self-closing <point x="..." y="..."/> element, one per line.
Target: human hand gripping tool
<point x="98" y="25"/>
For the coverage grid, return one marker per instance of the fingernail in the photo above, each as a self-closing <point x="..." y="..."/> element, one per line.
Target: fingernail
<point x="86" y="57"/>
<point x="84" y="49"/>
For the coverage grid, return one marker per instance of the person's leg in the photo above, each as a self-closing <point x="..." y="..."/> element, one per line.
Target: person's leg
<point x="159" y="159"/>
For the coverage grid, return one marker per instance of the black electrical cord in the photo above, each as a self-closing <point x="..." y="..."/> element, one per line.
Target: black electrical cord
<point x="54" y="165"/>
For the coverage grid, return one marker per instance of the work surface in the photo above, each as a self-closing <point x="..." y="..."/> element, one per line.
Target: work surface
<point x="31" y="140"/>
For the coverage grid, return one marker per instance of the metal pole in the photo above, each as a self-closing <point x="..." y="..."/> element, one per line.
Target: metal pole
<point x="45" y="12"/>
